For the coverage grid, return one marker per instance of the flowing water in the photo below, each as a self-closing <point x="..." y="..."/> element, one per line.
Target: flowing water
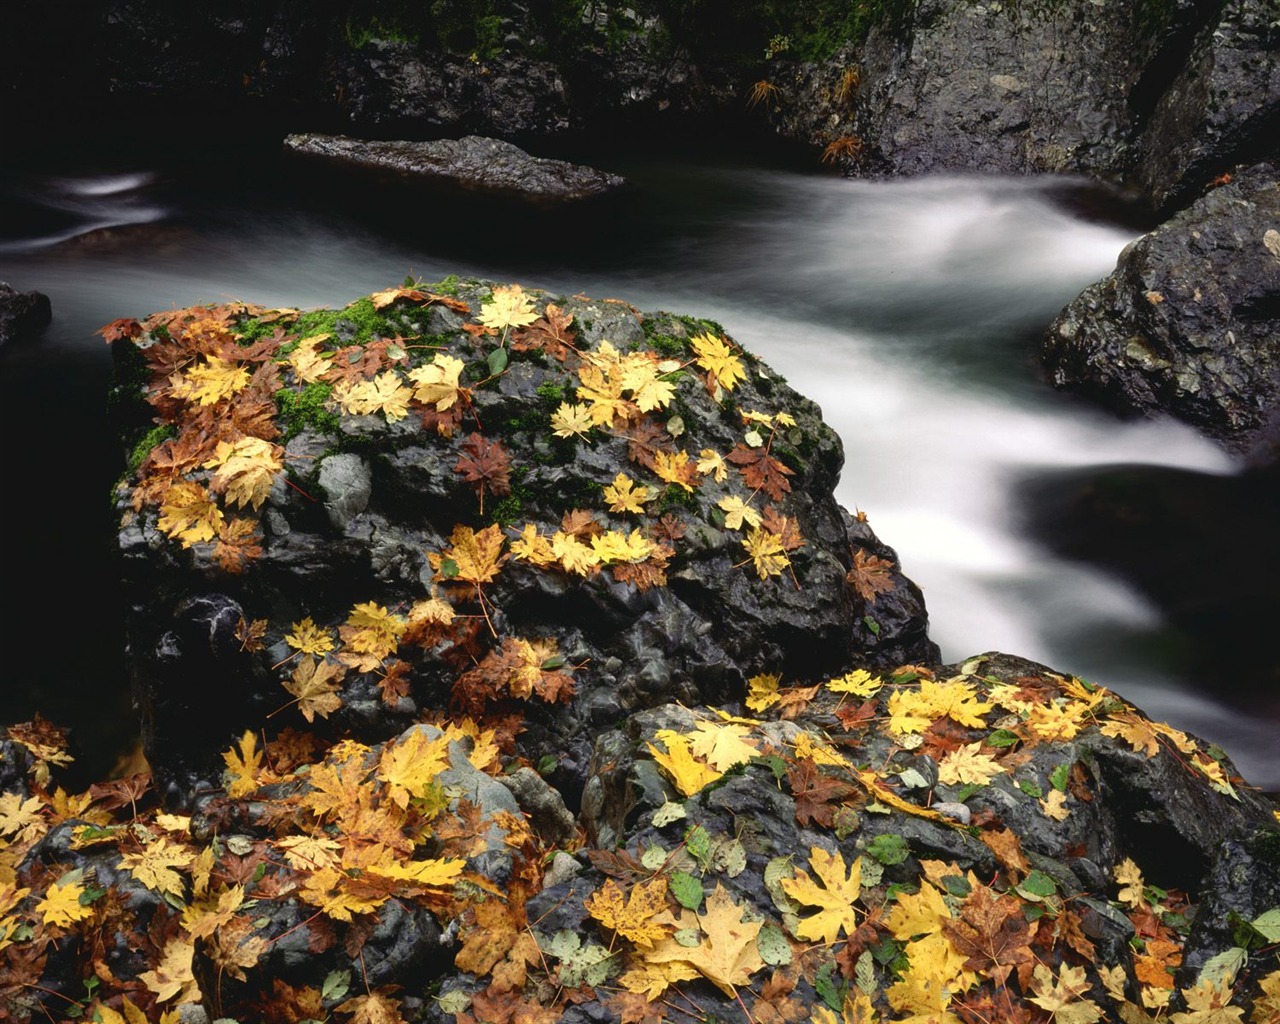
<point x="909" y="311"/>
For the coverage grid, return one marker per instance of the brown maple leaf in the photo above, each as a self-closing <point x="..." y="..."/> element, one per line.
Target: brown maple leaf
<point x="869" y="575"/>
<point x="394" y="683"/>
<point x="785" y="528"/>
<point x="645" y="438"/>
<point x="580" y="523"/>
<point x="817" y="796"/>
<point x="486" y="465"/>
<point x="125" y="327"/>
<point x="761" y="471"/>
<point x="992" y="933"/>
<point x="550" y="333"/>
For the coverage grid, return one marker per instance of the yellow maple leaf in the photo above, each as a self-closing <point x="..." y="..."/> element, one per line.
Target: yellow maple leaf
<point x="914" y="710"/>
<point x="762" y="691"/>
<point x="859" y="683"/>
<point x="309" y="853"/>
<point x="835" y="896"/>
<point x="678" y="762"/>
<point x="314" y="685"/>
<point x="432" y="873"/>
<point x="386" y="394"/>
<point x="1063" y="996"/>
<point x="510" y="306"/>
<point x="326" y="889"/>
<point x="573" y="555"/>
<point x="1133" y="889"/>
<point x="676" y="468"/>
<point x="531" y="546"/>
<point x="602" y="393"/>
<point x="1055" y="806"/>
<point x="722" y="745"/>
<point x="155" y="867"/>
<point x="410" y="765"/>
<point x="717" y="358"/>
<point x="571" y="420"/>
<point x="188" y="514"/>
<point x="641" y="376"/>
<point x="246" y="470"/>
<point x="437" y="382"/>
<point x="472" y="557"/>
<point x="61" y="906"/>
<point x="1266" y="1004"/>
<point x="370" y="630"/>
<point x="1207" y="1003"/>
<point x="1212" y="770"/>
<point x="106" y="1015"/>
<point x="309" y="638"/>
<point x="1056" y="722"/>
<point x="21" y="818"/>
<point x="766" y="551"/>
<point x="243" y="765"/>
<point x="209" y="382"/>
<point x="855" y="1009"/>
<point x="173" y="977"/>
<point x="808" y="748"/>
<point x="728" y="954"/>
<point x="206" y="916"/>
<point x="918" y="914"/>
<point x="651" y="980"/>
<point x="711" y="463"/>
<point x="624" y="496"/>
<point x="613" y="547"/>
<point x="968" y="765"/>
<point x="633" y="915"/>
<point x="308" y="363"/>
<point x="737" y="512"/>
<point x="374" y="1008"/>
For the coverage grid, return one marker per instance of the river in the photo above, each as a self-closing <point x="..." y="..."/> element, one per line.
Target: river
<point x="909" y="310"/>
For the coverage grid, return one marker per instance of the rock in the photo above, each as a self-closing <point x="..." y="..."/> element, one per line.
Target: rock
<point x="678" y="610"/>
<point x="1186" y="324"/>
<point x="22" y="314"/>
<point x="1222" y="107"/>
<point x="471" y="162"/>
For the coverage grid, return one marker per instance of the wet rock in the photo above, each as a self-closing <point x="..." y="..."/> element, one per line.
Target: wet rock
<point x="472" y="162"/>
<point x="1186" y="323"/>
<point x="22" y="314"/>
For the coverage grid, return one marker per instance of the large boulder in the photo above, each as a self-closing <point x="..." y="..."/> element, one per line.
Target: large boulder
<point x="1187" y="322"/>
<point x="473" y="162"/>
<point x="547" y="511"/>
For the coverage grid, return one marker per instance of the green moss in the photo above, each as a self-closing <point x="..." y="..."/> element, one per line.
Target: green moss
<point x="253" y="329"/>
<point x="149" y="440"/>
<point x="356" y="324"/>
<point x="448" y="286"/>
<point x="360" y="35"/>
<point x="306" y="408"/>
<point x="506" y="512"/>
<point x="551" y="394"/>
<point x="671" y="347"/>
<point x="676" y="496"/>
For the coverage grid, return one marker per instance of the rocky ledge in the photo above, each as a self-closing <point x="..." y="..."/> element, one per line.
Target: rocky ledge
<point x="472" y="162"/>
<point x="22" y="314"/>
<point x="1187" y="322"/>
<point x="505" y="657"/>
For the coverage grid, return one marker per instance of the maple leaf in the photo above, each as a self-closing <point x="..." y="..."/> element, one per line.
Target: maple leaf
<point x="309" y="638"/>
<point x="761" y="471"/>
<point x="914" y="710"/>
<point x="676" y="468"/>
<point x="1140" y="733"/>
<point x="624" y="496"/>
<point x="173" y="977"/>
<point x="61" y="907"/>
<point x="835" y="896"/>
<point x="209" y="382"/>
<point x="632" y="916"/>
<point x="327" y="890"/>
<point x="859" y="682"/>
<point x="816" y="793"/>
<point x="370" y="634"/>
<point x="870" y="575"/>
<point x="613" y="546"/>
<point x="762" y="691"/>
<point x="728" y="954"/>
<point x="243" y="765"/>
<point x="677" y="761"/>
<point x="245" y="470"/>
<point x="766" y="552"/>
<point x="723" y="367"/>
<point x="308" y="362"/>
<point x="155" y="866"/>
<point x="531" y="546"/>
<point x="636" y="1007"/>
<point x="410" y="765"/>
<point x="485" y="463"/>
<point x="394" y="682"/>
<point x="645" y="439"/>
<point x="1133" y="889"/>
<point x="573" y="555"/>
<point x="550" y="333"/>
<point x="385" y="393"/>
<point x="722" y="746"/>
<point x="21" y="818"/>
<point x="437" y="383"/>
<point x="641" y="376"/>
<point x="1055" y="806"/>
<point x="571" y="420"/>
<point x="314" y="685"/>
<point x="490" y="938"/>
<point x="968" y="765"/>
<point x="992" y="933"/>
<point x="510" y="306"/>
<point x="473" y="557"/>
<point x="233" y="948"/>
<point x="737" y="512"/>
<point x="602" y="393"/>
<point x="918" y="914"/>
<point x="711" y="463"/>
<point x="375" y="1008"/>
<point x="125" y="327"/>
<point x="188" y="514"/>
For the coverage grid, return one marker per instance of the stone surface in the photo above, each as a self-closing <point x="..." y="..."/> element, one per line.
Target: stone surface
<point x="472" y="162"/>
<point x="1186" y="325"/>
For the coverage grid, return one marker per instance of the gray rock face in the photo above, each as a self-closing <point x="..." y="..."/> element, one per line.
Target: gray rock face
<point x="1221" y="109"/>
<point x="985" y="87"/>
<point x="22" y="314"/>
<point x="1187" y="323"/>
<point x="472" y="162"/>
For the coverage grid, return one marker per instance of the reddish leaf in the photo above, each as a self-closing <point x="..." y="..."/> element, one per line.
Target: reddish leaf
<point x="761" y="471"/>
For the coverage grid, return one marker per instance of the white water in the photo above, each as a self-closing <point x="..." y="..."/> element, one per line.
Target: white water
<point x="903" y="309"/>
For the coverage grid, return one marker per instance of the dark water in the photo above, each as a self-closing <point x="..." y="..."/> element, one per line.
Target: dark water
<point x="909" y="311"/>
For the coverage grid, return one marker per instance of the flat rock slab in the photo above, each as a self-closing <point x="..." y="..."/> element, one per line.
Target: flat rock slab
<point x="473" y="162"/>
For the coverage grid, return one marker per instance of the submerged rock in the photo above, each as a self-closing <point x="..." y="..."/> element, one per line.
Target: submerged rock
<point x="22" y="314"/>
<point x="1186" y="324"/>
<point x="472" y="162"/>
